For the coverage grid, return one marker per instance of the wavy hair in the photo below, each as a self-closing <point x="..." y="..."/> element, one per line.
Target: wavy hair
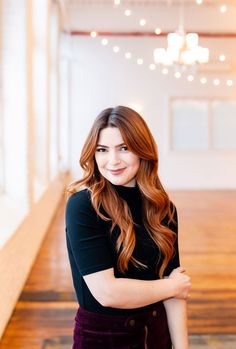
<point x="156" y="204"/>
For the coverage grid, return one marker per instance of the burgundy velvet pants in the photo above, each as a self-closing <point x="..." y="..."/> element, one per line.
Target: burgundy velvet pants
<point x="147" y="330"/>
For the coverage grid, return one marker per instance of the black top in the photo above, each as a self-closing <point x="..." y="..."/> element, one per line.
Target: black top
<point x="91" y="248"/>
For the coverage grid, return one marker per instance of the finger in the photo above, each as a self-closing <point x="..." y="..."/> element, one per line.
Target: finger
<point x="181" y="269"/>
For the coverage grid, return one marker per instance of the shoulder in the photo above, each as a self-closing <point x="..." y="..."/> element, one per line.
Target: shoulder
<point x="80" y="200"/>
<point x="82" y="195"/>
<point x="172" y="220"/>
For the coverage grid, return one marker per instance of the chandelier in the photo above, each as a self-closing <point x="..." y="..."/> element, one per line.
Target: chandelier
<point x="182" y="48"/>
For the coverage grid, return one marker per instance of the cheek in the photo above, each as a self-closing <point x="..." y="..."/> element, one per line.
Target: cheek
<point x="134" y="162"/>
<point x="100" y="160"/>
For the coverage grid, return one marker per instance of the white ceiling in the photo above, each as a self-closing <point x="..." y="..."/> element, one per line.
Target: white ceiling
<point x="104" y="16"/>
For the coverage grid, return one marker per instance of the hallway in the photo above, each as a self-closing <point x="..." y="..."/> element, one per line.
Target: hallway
<point x="43" y="317"/>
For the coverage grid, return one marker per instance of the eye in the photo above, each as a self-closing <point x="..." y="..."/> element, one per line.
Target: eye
<point x="101" y="150"/>
<point x="124" y="148"/>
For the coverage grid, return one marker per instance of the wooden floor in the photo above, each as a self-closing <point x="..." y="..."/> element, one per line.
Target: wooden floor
<point x="44" y="314"/>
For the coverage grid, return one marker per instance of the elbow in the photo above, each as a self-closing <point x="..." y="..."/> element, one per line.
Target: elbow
<point x="107" y="295"/>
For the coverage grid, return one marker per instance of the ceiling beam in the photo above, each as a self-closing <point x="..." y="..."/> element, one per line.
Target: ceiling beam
<point x="218" y="35"/>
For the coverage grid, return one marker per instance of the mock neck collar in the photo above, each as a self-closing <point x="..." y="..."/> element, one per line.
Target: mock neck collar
<point x="127" y="191"/>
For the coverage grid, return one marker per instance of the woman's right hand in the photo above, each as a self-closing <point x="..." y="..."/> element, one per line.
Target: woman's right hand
<point x="182" y="283"/>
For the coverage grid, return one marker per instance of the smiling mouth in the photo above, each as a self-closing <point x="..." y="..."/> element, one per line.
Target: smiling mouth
<point x="117" y="171"/>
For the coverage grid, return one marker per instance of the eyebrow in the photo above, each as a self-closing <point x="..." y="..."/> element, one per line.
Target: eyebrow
<point x="104" y="146"/>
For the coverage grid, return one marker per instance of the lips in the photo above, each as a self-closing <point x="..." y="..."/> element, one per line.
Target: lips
<point x="116" y="172"/>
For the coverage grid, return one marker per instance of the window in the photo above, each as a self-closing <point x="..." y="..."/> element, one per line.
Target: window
<point x="201" y="124"/>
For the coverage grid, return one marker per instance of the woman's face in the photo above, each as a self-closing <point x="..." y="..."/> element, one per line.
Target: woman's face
<point x="114" y="160"/>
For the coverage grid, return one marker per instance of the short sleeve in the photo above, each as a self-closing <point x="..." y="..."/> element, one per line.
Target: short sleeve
<point x="87" y="240"/>
<point x="174" y="262"/>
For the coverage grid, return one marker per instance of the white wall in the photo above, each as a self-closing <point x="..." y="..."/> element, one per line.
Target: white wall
<point x="100" y="79"/>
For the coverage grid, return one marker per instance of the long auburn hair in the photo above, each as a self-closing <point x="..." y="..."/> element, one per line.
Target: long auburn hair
<point x="156" y="204"/>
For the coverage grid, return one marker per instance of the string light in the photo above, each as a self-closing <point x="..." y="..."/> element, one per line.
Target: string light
<point x="157" y="31"/>
<point x="142" y="22"/>
<point x="104" y="42"/>
<point x="203" y="80"/>
<point x="165" y="71"/>
<point x="190" y="78"/>
<point x="229" y="83"/>
<point x="127" y="13"/>
<point x="139" y="61"/>
<point x="177" y="75"/>
<point x="216" y="82"/>
<point x="128" y="55"/>
<point x="223" y="8"/>
<point x="152" y="66"/>
<point x="222" y="58"/>
<point x="116" y="49"/>
<point x="93" y="34"/>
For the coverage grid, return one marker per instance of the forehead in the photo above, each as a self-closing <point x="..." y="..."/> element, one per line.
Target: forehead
<point x="110" y="136"/>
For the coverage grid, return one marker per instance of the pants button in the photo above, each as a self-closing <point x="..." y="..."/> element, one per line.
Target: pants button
<point x="154" y="313"/>
<point x="132" y="322"/>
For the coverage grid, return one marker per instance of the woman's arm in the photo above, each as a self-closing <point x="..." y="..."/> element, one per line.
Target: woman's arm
<point x="132" y="293"/>
<point x="176" y="310"/>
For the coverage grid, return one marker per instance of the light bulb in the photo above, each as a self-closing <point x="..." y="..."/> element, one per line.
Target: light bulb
<point x="104" y="42"/>
<point x="190" y="78"/>
<point x="127" y="13"/>
<point x="142" y="22"/>
<point x="158" y="31"/>
<point x="223" y="8"/>
<point x="229" y="83"/>
<point x="203" y="80"/>
<point x="165" y="71"/>
<point x="152" y="66"/>
<point x="128" y="55"/>
<point x="216" y="82"/>
<point x="177" y="75"/>
<point x="116" y="49"/>
<point x="93" y="34"/>
<point x="222" y="58"/>
<point x="139" y="61"/>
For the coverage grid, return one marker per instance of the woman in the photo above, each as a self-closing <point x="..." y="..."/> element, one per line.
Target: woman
<point x="121" y="231"/>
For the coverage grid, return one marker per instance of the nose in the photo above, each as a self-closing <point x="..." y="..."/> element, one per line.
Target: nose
<point x="114" y="158"/>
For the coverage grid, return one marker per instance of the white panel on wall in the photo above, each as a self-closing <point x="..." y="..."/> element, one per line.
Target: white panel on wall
<point x="189" y="121"/>
<point x="64" y="115"/>
<point x="224" y="124"/>
<point x="1" y="114"/>
<point x="14" y="100"/>
<point x="40" y="121"/>
<point x="40" y="97"/>
<point x="53" y="92"/>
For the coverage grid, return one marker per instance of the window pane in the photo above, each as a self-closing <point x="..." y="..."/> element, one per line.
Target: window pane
<point x="189" y="124"/>
<point x="224" y="124"/>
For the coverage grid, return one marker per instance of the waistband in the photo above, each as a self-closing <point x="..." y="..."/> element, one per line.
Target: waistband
<point x="114" y="321"/>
